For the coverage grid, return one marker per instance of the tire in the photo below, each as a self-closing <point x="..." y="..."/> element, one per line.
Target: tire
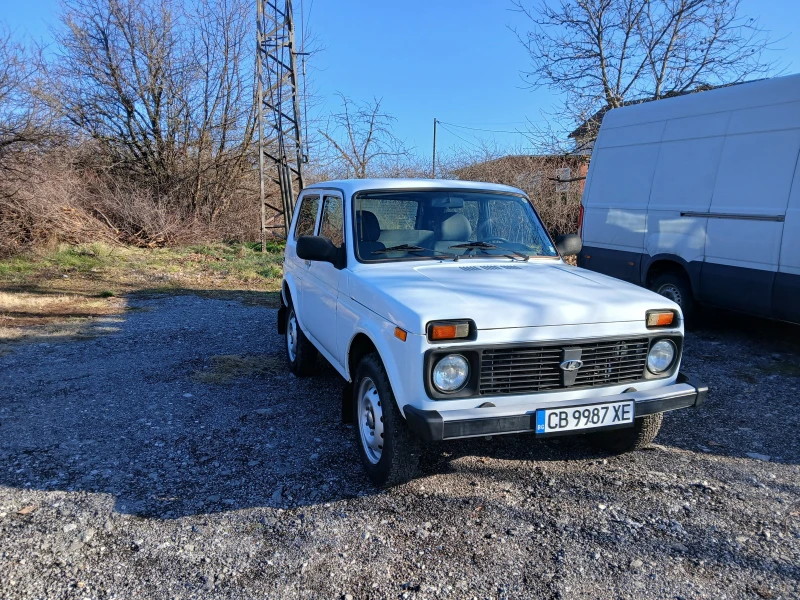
<point x="396" y="459"/>
<point x="677" y="288"/>
<point x="300" y="353"/>
<point x="618" y="441"/>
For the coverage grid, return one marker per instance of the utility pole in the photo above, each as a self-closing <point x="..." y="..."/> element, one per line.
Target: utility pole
<point x="280" y="148"/>
<point x="433" y="170"/>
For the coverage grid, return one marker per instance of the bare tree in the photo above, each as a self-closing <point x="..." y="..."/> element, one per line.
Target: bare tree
<point x="602" y="54"/>
<point x="24" y="122"/>
<point x="165" y="87"/>
<point x="360" y="141"/>
<point x="553" y="183"/>
<point x="223" y="109"/>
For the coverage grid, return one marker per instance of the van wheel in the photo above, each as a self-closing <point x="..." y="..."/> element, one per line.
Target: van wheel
<point x="389" y="453"/>
<point x="677" y="288"/>
<point x="300" y="353"/>
<point x="618" y="441"/>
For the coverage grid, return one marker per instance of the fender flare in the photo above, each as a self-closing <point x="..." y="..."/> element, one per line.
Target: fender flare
<point x="693" y="273"/>
<point x="289" y="282"/>
<point x="372" y="330"/>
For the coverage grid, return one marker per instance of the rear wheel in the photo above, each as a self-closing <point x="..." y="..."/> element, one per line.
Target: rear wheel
<point x="300" y="353"/>
<point x="618" y="441"/>
<point x="389" y="453"/>
<point x="677" y="288"/>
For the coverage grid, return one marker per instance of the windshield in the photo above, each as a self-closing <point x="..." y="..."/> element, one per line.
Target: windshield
<point x="406" y="225"/>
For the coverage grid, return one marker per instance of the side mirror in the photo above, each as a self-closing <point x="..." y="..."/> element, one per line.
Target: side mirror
<point x="316" y="247"/>
<point x="569" y="245"/>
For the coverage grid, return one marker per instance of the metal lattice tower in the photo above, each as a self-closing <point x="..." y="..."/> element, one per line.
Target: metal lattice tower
<point x="280" y="156"/>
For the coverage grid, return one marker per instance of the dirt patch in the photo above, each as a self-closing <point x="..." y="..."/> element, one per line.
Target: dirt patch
<point x="225" y="369"/>
<point x="50" y="314"/>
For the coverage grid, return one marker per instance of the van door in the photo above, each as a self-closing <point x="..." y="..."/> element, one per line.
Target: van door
<point x="683" y="185"/>
<point x="321" y="292"/>
<point x="745" y="222"/>
<point x="786" y="297"/>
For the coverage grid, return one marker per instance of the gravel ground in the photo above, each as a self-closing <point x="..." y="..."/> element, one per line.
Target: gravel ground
<point x="173" y="456"/>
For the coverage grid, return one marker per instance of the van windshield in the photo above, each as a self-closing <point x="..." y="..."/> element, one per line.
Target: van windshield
<point x="406" y="225"/>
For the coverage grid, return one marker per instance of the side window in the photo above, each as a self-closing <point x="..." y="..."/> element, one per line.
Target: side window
<point x="332" y="226"/>
<point x="307" y="217"/>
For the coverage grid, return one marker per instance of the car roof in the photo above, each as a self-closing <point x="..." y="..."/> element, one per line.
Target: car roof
<point x="351" y="186"/>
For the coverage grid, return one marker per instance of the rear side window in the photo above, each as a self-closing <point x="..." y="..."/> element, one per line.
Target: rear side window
<point x="331" y="225"/>
<point x="307" y="217"/>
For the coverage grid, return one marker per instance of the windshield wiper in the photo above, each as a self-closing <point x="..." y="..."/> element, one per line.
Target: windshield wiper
<point x="487" y="246"/>
<point x="475" y="245"/>
<point x="412" y="249"/>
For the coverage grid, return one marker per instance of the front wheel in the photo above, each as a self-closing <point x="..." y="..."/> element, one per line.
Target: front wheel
<point x="389" y="453"/>
<point x="678" y="289"/>
<point x="618" y="441"/>
<point x="300" y="353"/>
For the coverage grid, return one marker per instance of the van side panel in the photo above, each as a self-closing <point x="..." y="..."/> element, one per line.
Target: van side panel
<point x="670" y="228"/>
<point x="615" y="219"/>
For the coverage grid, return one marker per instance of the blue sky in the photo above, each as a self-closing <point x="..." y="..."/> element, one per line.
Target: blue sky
<point x="455" y="60"/>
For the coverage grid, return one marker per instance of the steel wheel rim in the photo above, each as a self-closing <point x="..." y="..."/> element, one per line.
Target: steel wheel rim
<point x="370" y="420"/>
<point x="291" y="336"/>
<point x="672" y="292"/>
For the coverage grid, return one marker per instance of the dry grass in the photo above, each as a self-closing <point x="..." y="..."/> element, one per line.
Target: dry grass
<point x="25" y="309"/>
<point x="67" y="291"/>
<point x="224" y="369"/>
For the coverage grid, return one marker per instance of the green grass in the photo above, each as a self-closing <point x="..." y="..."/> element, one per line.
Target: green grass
<point x="16" y="266"/>
<point x="225" y="265"/>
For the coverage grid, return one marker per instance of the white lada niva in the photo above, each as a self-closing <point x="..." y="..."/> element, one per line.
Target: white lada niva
<point x="450" y="313"/>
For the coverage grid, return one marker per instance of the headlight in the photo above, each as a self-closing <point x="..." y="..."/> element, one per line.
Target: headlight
<point x="451" y="373"/>
<point x="661" y="356"/>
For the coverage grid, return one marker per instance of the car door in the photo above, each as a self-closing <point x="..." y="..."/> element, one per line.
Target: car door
<point x="305" y="223"/>
<point x="323" y="279"/>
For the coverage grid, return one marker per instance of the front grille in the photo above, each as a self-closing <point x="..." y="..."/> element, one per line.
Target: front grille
<point x="526" y="369"/>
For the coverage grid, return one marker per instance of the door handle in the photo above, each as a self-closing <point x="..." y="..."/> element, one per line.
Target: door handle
<point x="308" y="263"/>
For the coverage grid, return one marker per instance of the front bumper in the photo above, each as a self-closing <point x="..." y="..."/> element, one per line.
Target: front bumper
<point x="431" y="425"/>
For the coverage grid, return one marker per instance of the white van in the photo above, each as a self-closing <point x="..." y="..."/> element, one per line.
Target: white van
<point x="698" y="198"/>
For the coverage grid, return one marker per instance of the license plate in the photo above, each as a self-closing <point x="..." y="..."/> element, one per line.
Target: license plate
<point x="556" y="420"/>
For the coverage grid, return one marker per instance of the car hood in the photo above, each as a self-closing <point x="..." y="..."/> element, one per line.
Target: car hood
<point x="497" y="295"/>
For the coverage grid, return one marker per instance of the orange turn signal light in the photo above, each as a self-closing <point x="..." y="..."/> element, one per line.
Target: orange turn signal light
<point x="448" y="330"/>
<point x="660" y="318"/>
<point x="400" y="334"/>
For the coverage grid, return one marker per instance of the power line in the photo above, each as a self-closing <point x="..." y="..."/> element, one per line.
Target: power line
<point x="459" y="137"/>
<point x="310" y="8"/>
<point x="481" y="129"/>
